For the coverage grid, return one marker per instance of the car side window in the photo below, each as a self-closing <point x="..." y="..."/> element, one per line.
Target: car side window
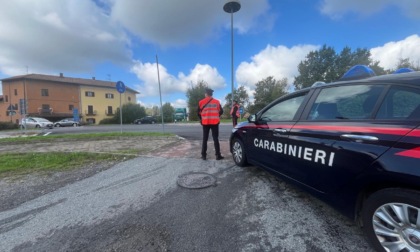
<point x="284" y="110"/>
<point x="400" y="103"/>
<point x="345" y="102"/>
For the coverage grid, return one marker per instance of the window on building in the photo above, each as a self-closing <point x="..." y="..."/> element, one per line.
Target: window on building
<point x="109" y="96"/>
<point x="16" y="106"/>
<point x="45" y="106"/>
<point x="44" y="92"/>
<point x="90" y="110"/>
<point x="129" y="98"/>
<point x="109" y="112"/>
<point x="6" y="98"/>
<point x="16" y="92"/>
<point x="71" y="107"/>
<point x="90" y="94"/>
<point x="90" y="120"/>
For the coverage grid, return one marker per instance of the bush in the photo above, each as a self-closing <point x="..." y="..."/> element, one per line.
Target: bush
<point x="8" y="126"/>
<point x="108" y="121"/>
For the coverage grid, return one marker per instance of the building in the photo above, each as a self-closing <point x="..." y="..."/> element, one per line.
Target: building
<point x="58" y="97"/>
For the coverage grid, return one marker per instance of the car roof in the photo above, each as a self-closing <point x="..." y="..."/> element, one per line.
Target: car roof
<point x="412" y="78"/>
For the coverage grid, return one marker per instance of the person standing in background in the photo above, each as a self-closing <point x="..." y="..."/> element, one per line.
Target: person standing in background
<point x="209" y="112"/>
<point x="234" y="112"/>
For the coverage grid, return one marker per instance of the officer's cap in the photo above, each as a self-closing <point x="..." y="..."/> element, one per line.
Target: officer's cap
<point x="209" y="91"/>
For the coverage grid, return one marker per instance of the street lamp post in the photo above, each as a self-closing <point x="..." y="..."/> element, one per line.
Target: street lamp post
<point x="231" y="7"/>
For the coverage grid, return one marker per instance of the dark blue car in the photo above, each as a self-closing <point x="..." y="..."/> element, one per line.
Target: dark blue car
<point x="145" y="120"/>
<point x="354" y="143"/>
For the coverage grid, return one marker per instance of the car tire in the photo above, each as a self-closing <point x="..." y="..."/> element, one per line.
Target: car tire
<point x="238" y="153"/>
<point x="391" y="219"/>
<point x="138" y="122"/>
<point x="37" y="126"/>
<point x="153" y="122"/>
<point x="74" y="124"/>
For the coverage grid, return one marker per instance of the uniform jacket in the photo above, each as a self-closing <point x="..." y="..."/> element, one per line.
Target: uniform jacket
<point x="209" y="111"/>
<point x="234" y="111"/>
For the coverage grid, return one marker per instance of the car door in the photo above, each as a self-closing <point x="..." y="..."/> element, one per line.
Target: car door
<point x="268" y="139"/>
<point x="342" y="139"/>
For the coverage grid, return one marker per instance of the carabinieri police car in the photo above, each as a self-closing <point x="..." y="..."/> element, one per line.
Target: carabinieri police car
<point x="354" y="143"/>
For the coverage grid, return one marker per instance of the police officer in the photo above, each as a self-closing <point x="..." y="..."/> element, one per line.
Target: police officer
<point x="209" y="112"/>
<point x="234" y="112"/>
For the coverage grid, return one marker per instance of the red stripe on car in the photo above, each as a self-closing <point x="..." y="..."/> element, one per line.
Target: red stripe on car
<point x="413" y="153"/>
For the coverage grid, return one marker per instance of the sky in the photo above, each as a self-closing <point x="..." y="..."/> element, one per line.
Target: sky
<point x="123" y="40"/>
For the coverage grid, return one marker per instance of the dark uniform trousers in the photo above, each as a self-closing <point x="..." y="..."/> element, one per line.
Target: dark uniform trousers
<point x="215" y="134"/>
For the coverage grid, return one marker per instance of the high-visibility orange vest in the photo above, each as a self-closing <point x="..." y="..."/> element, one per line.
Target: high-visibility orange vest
<point x="237" y="110"/>
<point x="210" y="112"/>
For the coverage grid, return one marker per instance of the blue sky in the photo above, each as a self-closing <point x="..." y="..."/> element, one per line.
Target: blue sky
<point x="118" y="40"/>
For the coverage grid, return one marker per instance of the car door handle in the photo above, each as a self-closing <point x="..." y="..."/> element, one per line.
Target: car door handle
<point x="359" y="137"/>
<point x="281" y="131"/>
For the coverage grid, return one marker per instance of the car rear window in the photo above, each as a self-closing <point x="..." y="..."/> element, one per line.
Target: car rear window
<point x="345" y="102"/>
<point x="401" y="103"/>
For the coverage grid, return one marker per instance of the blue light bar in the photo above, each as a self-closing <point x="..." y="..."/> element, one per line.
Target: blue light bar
<point x="358" y="72"/>
<point x="403" y="70"/>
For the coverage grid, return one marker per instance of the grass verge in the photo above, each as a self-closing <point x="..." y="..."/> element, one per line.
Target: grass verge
<point x="23" y="163"/>
<point x="85" y="136"/>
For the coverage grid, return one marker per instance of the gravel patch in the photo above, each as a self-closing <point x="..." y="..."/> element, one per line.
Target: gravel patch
<point x="18" y="189"/>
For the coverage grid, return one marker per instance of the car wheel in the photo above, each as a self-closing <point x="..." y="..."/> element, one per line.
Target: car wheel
<point x="74" y="124"/>
<point x="153" y="122"/>
<point x="138" y="122"/>
<point x="238" y="153"/>
<point x="37" y="126"/>
<point x="391" y="220"/>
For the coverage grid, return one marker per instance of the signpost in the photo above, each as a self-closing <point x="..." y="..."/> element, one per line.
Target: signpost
<point x="121" y="89"/>
<point x="76" y="115"/>
<point x="22" y="110"/>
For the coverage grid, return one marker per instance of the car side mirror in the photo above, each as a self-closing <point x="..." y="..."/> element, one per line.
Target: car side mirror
<point x="252" y="118"/>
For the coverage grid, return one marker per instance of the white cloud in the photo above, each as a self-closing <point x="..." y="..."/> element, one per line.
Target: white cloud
<point x="179" y="103"/>
<point x="337" y="8"/>
<point x="181" y="22"/>
<point x="389" y="54"/>
<point x="52" y="36"/>
<point x="148" y="74"/>
<point x="279" y="62"/>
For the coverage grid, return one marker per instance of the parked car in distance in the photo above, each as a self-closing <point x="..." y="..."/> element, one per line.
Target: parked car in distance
<point x="35" y="122"/>
<point x="354" y="143"/>
<point x="145" y="120"/>
<point x="66" y="122"/>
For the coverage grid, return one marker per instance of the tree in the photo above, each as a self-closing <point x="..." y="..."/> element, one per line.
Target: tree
<point x="155" y="111"/>
<point x="406" y="63"/>
<point x="316" y="67"/>
<point x="130" y="112"/>
<point x="267" y="90"/>
<point x="168" y="112"/>
<point x="325" y="65"/>
<point x="194" y="95"/>
<point x="240" y="95"/>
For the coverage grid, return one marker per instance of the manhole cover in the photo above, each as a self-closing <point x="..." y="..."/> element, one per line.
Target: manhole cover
<point x="196" y="180"/>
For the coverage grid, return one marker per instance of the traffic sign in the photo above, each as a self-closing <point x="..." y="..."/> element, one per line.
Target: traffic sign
<point x="241" y="110"/>
<point x="120" y="87"/>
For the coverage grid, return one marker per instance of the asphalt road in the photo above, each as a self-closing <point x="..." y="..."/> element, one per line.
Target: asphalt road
<point x="139" y="206"/>
<point x="190" y="131"/>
